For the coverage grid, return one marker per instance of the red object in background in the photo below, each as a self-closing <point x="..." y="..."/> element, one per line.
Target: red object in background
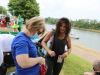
<point x="10" y="24"/>
<point x="65" y="50"/>
<point x="3" y="20"/>
<point x="42" y="70"/>
<point x="3" y="23"/>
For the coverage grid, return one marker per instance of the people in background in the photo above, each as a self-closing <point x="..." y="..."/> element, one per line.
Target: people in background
<point x="0" y="21"/>
<point x="96" y="68"/>
<point x="15" y="20"/>
<point x="3" y="20"/>
<point x="20" y="20"/>
<point x="55" y="56"/>
<point x="24" y="51"/>
<point x="15" y="24"/>
<point x="7" y="19"/>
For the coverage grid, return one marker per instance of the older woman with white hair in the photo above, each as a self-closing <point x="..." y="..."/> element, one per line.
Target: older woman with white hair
<point x="96" y="68"/>
<point x="24" y="51"/>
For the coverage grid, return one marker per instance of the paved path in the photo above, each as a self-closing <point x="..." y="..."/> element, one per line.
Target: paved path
<point x="83" y="54"/>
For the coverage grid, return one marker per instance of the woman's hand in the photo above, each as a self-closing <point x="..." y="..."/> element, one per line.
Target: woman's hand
<point x="51" y="53"/>
<point x="42" y="60"/>
<point x="64" y="55"/>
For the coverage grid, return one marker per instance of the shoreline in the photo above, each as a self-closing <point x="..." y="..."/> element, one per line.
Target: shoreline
<point x="87" y="29"/>
<point x="81" y="28"/>
<point x="92" y="51"/>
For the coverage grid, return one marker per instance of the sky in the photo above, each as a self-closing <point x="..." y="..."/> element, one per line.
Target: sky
<point x="72" y="9"/>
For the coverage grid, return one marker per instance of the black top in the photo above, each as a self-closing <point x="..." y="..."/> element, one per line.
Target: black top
<point x="58" y="48"/>
<point x="7" y="19"/>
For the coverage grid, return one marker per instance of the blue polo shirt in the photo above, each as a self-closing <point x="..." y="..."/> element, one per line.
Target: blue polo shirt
<point x="22" y="44"/>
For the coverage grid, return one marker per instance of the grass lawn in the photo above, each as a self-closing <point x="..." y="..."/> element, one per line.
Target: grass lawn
<point x="73" y="65"/>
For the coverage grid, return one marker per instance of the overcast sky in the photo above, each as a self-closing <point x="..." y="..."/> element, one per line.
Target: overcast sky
<point x="72" y="9"/>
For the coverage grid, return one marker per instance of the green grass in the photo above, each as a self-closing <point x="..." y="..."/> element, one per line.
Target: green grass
<point x="12" y="69"/>
<point x="73" y="65"/>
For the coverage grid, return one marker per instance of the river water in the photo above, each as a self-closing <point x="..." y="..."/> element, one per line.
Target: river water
<point x="86" y="38"/>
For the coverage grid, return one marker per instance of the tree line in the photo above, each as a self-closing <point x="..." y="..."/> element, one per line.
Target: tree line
<point x="51" y="20"/>
<point x="81" y="23"/>
<point x="86" y="23"/>
<point x="3" y="10"/>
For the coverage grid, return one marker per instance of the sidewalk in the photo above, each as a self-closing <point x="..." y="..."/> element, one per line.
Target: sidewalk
<point x="83" y="54"/>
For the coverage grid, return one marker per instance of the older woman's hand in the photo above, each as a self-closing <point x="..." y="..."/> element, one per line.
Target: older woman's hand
<point x="42" y="60"/>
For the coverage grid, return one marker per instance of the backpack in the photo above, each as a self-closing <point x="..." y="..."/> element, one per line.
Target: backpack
<point x="8" y="62"/>
<point x="3" y="69"/>
<point x="8" y="59"/>
<point x="40" y="50"/>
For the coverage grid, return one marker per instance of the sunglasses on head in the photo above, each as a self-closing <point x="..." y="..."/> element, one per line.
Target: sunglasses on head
<point x="39" y="32"/>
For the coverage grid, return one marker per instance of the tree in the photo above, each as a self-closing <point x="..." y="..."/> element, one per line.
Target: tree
<point x="51" y="20"/>
<point x="26" y="8"/>
<point x="3" y="10"/>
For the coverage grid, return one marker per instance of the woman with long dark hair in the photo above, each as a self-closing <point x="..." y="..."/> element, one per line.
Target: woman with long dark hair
<point x="55" y="57"/>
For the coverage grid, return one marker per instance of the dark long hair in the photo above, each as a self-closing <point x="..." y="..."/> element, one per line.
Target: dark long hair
<point x="59" y="23"/>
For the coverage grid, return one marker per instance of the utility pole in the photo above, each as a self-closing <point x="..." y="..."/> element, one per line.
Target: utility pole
<point x="13" y="13"/>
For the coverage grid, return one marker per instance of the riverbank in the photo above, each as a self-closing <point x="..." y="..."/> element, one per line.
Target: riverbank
<point x="87" y="29"/>
<point x="92" y="51"/>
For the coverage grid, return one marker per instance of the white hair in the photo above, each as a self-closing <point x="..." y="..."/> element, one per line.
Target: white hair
<point x="96" y="64"/>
